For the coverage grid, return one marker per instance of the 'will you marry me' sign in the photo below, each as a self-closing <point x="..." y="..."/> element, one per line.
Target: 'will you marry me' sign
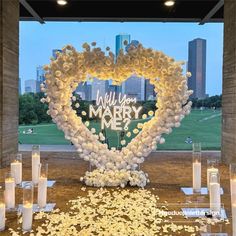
<point x="115" y="110"/>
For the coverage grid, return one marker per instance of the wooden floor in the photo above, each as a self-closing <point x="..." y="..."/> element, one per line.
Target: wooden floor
<point x="168" y="172"/>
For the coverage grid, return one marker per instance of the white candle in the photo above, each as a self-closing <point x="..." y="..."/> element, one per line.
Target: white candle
<point x="197" y="176"/>
<point x="234" y="219"/>
<point x="233" y="190"/>
<point x="215" y="201"/>
<point x="2" y="216"/>
<point x="27" y="216"/>
<point x="10" y="192"/>
<point x="209" y="171"/>
<point x="16" y="171"/>
<point x="35" y="168"/>
<point x="42" y="192"/>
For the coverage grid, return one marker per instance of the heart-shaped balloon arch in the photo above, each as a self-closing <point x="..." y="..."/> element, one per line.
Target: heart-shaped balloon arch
<point x="116" y="167"/>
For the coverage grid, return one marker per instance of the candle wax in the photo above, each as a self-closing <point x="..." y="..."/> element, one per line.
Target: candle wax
<point x="42" y="192"/>
<point x="2" y="216"/>
<point x="35" y="168"/>
<point x="10" y="193"/>
<point x="16" y="170"/>
<point x="27" y="216"/>
<point x="215" y="199"/>
<point x="196" y="176"/>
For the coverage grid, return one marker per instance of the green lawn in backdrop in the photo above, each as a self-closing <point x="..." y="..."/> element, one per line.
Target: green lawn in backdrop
<point x="201" y="126"/>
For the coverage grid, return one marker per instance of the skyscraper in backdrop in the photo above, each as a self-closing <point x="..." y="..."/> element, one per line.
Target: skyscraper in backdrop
<point x="30" y="86"/>
<point x="134" y="86"/>
<point x="149" y="91"/>
<point x="84" y="90"/>
<point x="120" y="44"/>
<point x="40" y="74"/>
<point x="98" y="85"/>
<point x="197" y="67"/>
<point x="40" y="77"/>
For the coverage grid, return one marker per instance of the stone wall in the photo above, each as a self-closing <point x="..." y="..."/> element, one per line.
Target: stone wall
<point x="229" y="84"/>
<point x="9" y="74"/>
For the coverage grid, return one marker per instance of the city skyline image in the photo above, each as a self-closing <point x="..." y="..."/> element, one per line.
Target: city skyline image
<point x="134" y="87"/>
<point x="177" y="46"/>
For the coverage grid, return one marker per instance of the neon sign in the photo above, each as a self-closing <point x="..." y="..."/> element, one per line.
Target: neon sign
<point x="114" y="111"/>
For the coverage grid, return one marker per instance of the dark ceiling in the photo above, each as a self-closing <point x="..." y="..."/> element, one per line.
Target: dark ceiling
<point x="123" y="10"/>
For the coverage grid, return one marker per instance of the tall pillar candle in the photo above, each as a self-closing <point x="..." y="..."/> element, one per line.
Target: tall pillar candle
<point x="27" y="217"/>
<point x="16" y="169"/>
<point x="42" y="192"/>
<point x="214" y="190"/>
<point x="209" y="171"/>
<point x="42" y="186"/>
<point x="2" y="216"/>
<point x="234" y="219"/>
<point x="212" y="167"/>
<point x="27" y="210"/>
<point x="233" y="182"/>
<point x="35" y="164"/>
<point x="233" y="190"/>
<point x="2" y="211"/>
<point x="10" y="191"/>
<point x="233" y="195"/>
<point x="197" y="172"/>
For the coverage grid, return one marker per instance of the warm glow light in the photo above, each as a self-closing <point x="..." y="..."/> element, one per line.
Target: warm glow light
<point x="62" y="2"/>
<point x="170" y="3"/>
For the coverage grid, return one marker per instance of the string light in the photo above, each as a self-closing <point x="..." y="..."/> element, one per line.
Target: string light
<point x="169" y="3"/>
<point x="61" y="2"/>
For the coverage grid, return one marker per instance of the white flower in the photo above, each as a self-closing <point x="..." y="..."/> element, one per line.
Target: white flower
<point x="188" y="74"/>
<point x="77" y="105"/>
<point x="140" y="125"/>
<point x="144" y="116"/>
<point x="150" y="113"/>
<point x="86" y="123"/>
<point x="135" y="131"/>
<point x="83" y="113"/>
<point x="58" y="73"/>
<point x="93" y="130"/>
<point x="162" y="140"/>
<point x="123" y="142"/>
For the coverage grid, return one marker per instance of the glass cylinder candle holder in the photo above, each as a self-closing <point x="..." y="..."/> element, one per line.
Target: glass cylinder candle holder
<point x="9" y="191"/>
<point x="214" y="191"/>
<point x="212" y="167"/>
<point x="2" y="210"/>
<point x="16" y="168"/>
<point x="42" y="185"/>
<point x="27" y="211"/>
<point x="196" y="172"/>
<point x="196" y="147"/>
<point x="43" y="170"/>
<point x="36" y="149"/>
<point x="35" y="163"/>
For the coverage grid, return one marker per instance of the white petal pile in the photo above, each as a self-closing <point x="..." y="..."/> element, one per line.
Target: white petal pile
<point x="71" y="67"/>
<point x="114" y="212"/>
